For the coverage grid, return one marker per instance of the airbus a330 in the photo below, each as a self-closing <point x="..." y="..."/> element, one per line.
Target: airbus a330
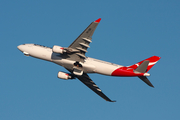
<point x="74" y="60"/>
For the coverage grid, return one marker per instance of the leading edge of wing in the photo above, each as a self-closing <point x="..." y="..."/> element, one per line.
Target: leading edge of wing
<point x="89" y="83"/>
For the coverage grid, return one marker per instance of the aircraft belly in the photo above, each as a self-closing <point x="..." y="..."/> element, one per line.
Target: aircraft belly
<point x="69" y="64"/>
<point x="64" y="62"/>
<point x="40" y="53"/>
<point x="88" y="68"/>
<point x="102" y="67"/>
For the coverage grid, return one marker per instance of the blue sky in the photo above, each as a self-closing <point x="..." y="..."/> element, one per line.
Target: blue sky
<point x="129" y="32"/>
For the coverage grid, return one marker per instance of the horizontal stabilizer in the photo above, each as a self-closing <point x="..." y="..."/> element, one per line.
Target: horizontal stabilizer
<point x="143" y="67"/>
<point x="145" y="79"/>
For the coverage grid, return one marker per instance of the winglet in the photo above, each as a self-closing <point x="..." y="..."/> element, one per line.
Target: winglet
<point x="98" y="20"/>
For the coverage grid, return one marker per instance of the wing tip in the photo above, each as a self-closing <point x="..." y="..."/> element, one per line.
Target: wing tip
<point x="110" y="100"/>
<point x="113" y="101"/>
<point x="98" y="20"/>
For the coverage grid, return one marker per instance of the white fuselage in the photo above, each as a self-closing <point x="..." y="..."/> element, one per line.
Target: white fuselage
<point x="90" y="65"/>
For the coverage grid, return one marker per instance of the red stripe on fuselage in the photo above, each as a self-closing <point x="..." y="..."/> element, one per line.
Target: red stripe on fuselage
<point x="125" y="71"/>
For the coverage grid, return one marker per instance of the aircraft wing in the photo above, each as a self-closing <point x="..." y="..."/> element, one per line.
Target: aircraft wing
<point x="81" y="44"/>
<point x="89" y="83"/>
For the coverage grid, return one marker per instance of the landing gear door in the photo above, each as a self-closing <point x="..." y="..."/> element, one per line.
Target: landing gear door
<point x="77" y="71"/>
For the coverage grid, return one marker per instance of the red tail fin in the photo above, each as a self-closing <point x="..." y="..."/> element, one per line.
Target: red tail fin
<point x="152" y="61"/>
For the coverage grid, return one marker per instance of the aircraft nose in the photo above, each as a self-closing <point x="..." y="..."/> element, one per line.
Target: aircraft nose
<point x="20" y="47"/>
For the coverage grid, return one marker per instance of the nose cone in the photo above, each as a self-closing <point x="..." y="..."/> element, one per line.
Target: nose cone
<point x="25" y="48"/>
<point x="20" y="47"/>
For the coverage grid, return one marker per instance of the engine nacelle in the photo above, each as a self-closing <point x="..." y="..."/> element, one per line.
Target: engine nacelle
<point x="58" y="49"/>
<point x="64" y="76"/>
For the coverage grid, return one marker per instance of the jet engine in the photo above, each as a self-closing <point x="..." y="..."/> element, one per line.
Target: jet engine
<point x="64" y="76"/>
<point x="58" y="49"/>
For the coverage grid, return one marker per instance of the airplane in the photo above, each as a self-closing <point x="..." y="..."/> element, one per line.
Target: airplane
<point x="74" y="60"/>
